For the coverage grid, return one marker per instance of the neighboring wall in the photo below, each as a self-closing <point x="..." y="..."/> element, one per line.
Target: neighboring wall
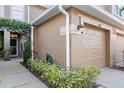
<point x="35" y="12"/>
<point x="48" y="40"/>
<point x="7" y="11"/>
<point x="1" y="11"/>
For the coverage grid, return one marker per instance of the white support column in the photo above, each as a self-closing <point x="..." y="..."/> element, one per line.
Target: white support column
<point x="6" y="39"/>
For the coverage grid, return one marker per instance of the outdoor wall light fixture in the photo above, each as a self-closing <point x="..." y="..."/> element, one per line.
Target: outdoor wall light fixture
<point x="79" y="27"/>
<point x="13" y="35"/>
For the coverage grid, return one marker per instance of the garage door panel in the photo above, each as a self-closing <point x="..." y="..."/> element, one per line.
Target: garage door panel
<point x="119" y="47"/>
<point x="94" y="47"/>
<point x="94" y="62"/>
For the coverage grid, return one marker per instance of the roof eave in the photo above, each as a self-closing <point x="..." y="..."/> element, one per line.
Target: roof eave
<point x="47" y="15"/>
<point x="90" y="9"/>
<point x="101" y="14"/>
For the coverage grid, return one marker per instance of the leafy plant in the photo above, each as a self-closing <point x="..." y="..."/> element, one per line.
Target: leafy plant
<point x="1" y="54"/>
<point x="83" y="77"/>
<point x="27" y="53"/>
<point x="54" y="75"/>
<point x="49" y="58"/>
<point x="6" y="54"/>
<point x="14" y="25"/>
<point x="21" y="28"/>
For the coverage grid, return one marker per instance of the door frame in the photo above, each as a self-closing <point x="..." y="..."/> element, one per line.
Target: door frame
<point x="16" y="47"/>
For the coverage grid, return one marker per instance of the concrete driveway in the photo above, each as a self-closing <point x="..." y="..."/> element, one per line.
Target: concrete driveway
<point x="14" y="75"/>
<point x="111" y="78"/>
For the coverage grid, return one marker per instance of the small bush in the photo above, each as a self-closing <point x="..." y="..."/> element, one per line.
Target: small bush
<point x="27" y="53"/>
<point x="49" y="72"/>
<point x="54" y="76"/>
<point x="83" y="77"/>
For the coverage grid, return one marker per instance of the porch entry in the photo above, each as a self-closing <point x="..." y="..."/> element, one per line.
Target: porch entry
<point x="14" y="45"/>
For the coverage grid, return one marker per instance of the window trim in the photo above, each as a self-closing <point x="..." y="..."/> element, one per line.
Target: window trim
<point x="11" y="14"/>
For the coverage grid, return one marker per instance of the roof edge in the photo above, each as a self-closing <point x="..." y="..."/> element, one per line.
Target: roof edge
<point x="90" y="9"/>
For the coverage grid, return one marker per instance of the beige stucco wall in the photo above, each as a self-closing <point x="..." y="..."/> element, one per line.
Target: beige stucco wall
<point x="111" y="39"/>
<point x="49" y="40"/>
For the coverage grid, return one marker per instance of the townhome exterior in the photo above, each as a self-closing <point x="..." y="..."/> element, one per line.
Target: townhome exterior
<point x="96" y="35"/>
<point x="24" y="13"/>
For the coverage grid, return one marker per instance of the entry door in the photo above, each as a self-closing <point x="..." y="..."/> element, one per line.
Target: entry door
<point x="14" y="47"/>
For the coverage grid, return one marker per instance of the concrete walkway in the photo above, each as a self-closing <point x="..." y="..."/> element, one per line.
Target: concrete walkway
<point x="14" y="75"/>
<point x="111" y="78"/>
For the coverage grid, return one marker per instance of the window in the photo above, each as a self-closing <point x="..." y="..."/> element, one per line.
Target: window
<point x="118" y="11"/>
<point x="17" y="12"/>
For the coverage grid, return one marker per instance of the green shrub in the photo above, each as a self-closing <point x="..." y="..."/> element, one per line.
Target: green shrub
<point x="49" y="58"/>
<point x="83" y="77"/>
<point x="49" y="72"/>
<point x="55" y="76"/>
<point x="27" y="53"/>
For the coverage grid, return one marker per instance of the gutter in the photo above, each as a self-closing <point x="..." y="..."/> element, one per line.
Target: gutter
<point x="67" y="37"/>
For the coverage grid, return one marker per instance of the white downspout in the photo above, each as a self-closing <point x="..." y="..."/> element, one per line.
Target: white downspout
<point x="67" y="37"/>
<point x="32" y="33"/>
<point x="32" y="41"/>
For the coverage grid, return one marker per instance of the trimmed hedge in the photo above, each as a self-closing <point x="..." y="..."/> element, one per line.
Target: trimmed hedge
<point x="83" y="77"/>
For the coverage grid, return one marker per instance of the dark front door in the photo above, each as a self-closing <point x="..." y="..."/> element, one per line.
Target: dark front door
<point x="1" y="40"/>
<point x="14" y="47"/>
